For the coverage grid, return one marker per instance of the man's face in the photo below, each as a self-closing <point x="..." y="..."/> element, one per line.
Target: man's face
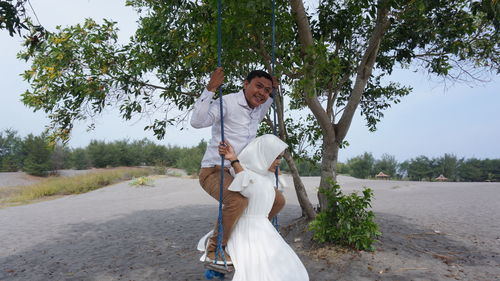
<point x="257" y="91"/>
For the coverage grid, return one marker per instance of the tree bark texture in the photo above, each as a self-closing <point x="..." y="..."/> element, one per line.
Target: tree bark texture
<point x="329" y="160"/>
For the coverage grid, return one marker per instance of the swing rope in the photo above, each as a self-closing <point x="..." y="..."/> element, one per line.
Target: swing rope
<point x="273" y="59"/>
<point x="219" y="251"/>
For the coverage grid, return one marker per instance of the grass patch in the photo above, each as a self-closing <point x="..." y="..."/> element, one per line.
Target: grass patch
<point x="55" y="186"/>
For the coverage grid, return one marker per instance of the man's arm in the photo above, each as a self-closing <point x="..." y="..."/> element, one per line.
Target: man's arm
<point x="265" y="109"/>
<point x="206" y="111"/>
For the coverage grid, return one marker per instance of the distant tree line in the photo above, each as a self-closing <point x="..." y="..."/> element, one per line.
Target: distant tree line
<point x="420" y="168"/>
<point x="36" y="156"/>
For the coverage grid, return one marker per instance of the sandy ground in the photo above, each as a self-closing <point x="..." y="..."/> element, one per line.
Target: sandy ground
<point x="431" y="231"/>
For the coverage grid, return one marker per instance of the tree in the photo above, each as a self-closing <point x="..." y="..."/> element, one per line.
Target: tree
<point x="99" y="154"/>
<point x="342" y="168"/>
<point x="470" y="170"/>
<point x="13" y="16"/>
<point x="80" y="159"/>
<point x="420" y="168"/>
<point x="492" y="169"/>
<point x="190" y="158"/>
<point x="59" y="157"/>
<point x="124" y="155"/>
<point x="333" y="60"/>
<point x="403" y="169"/>
<point x="387" y="164"/>
<point x="307" y="167"/>
<point x="361" y="166"/>
<point x="448" y="166"/>
<point x="36" y="151"/>
<point x="10" y="151"/>
<point x="15" y="19"/>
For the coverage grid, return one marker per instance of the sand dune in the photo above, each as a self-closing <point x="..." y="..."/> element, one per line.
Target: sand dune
<point x="431" y="231"/>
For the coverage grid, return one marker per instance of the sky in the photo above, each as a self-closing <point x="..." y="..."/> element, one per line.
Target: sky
<point x="434" y="119"/>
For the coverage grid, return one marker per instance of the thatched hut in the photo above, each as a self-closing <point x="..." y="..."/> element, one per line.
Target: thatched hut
<point x="441" y="178"/>
<point x="382" y="176"/>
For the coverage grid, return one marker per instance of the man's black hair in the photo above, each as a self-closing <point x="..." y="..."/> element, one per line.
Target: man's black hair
<point x="258" y="73"/>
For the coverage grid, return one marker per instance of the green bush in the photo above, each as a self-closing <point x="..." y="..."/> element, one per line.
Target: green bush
<point x="347" y="220"/>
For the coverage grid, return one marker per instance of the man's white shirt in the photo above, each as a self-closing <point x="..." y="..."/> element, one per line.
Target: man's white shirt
<point x="240" y="122"/>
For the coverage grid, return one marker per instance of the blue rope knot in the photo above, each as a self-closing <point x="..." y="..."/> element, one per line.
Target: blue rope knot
<point x="210" y="274"/>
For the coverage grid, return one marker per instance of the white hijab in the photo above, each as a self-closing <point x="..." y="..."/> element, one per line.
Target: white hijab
<point x="256" y="158"/>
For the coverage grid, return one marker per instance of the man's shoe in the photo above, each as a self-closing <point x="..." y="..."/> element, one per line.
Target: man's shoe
<point x="220" y="261"/>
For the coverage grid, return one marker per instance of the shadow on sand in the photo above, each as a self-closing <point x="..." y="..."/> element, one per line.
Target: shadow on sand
<point x="160" y="245"/>
<point x="406" y="252"/>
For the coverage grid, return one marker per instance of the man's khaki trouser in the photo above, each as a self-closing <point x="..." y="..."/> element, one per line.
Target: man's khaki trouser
<point x="233" y="202"/>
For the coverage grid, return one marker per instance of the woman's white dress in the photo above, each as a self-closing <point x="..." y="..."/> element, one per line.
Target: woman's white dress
<point x="257" y="250"/>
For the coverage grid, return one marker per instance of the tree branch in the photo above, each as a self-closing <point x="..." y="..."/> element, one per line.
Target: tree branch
<point x="293" y="75"/>
<point x="364" y="71"/>
<point x="267" y="60"/>
<point x="191" y="94"/>
<point x="262" y="51"/>
<point x="306" y="40"/>
<point x="329" y="103"/>
<point x="304" y="28"/>
<point x="333" y="98"/>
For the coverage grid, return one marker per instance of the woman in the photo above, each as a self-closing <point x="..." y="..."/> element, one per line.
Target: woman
<point x="258" y="251"/>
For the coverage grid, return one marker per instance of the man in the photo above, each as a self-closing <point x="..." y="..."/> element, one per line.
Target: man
<point x="242" y="113"/>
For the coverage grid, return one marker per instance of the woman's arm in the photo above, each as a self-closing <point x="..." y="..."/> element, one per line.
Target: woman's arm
<point x="227" y="150"/>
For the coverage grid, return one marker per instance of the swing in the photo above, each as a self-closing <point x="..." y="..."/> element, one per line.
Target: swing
<point x="212" y="268"/>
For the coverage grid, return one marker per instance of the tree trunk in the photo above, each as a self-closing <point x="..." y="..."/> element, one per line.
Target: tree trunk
<point x="305" y="203"/>
<point x="328" y="167"/>
<point x="330" y="148"/>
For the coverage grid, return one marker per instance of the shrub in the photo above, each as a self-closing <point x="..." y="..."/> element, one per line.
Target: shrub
<point x="346" y="220"/>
